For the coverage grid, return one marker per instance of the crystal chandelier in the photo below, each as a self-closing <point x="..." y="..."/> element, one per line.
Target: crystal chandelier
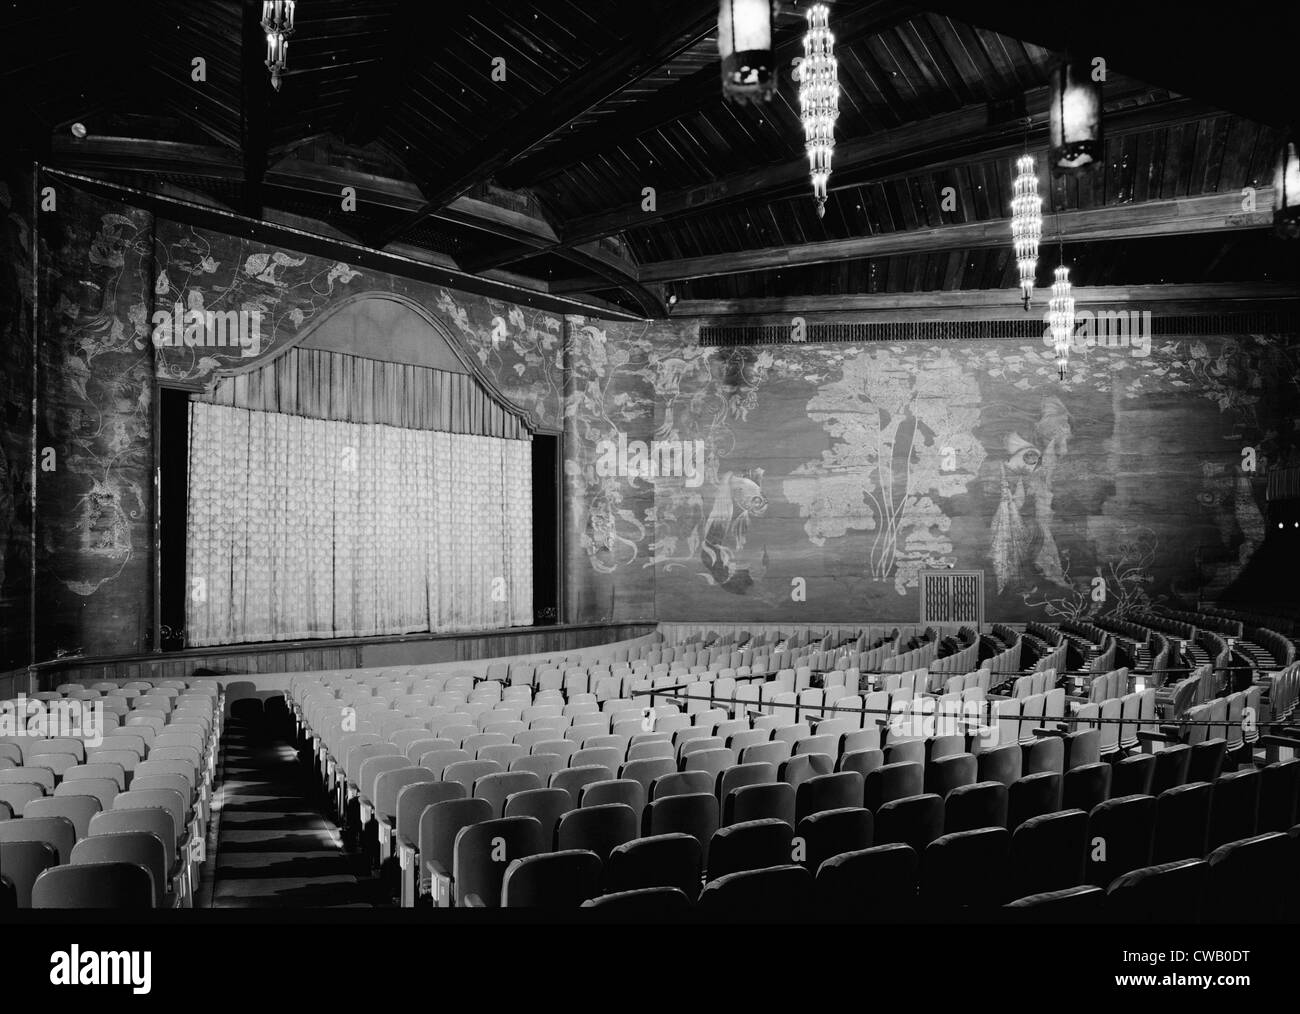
<point x="819" y="100"/>
<point x="1026" y="224"/>
<point x="1060" y="317"/>
<point x="277" y="22"/>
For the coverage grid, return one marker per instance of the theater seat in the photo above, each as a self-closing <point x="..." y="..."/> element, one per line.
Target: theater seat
<point x="832" y="832"/>
<point x="23" y="862"/>
<point x="1279" y="803"/>
<point x="1182" y="822"/>
<point x="546" y="805"/>
<point x="139" y="848"/>
<point x="1234" y="806"/>
<point x="966" y="870"/>
<point x="915" y="821"/>
<point x="439" y="826"/>
<point x="1086" y="786"/>
<point x="1126" y="828"/>
<point x="666" y="860"/>
<point x="58" y="832"/>
<point x="1170" y="893"/>
<point x="1133" y="776"/>
<point x="1048" y="853"/>
<point x="752" y="845"/>
<point x="554" y="880"/>
<point x="1244" y="877"/>
<point x="780" y="893"/>
<point x="879" y="881"/>
<point x="968" y="807"/>
<point x="596" y="829"/>
<point x="1071" y="905"/>
<point x="412" y="801"/>
<point x="1171" y="767"/>
<point x="632" y="905"/>
<point x="116" y="886"/>
<point x="481" y="854"/>
<point x="694" y="814"/>
<point x="828" y="792"/>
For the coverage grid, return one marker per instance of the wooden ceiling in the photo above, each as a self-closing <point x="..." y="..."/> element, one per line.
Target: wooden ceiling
<point x="538" y="179"/>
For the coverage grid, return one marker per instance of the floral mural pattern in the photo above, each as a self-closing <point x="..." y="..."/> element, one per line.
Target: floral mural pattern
<point x="929" y="455"/>
<point x="850" y="467"/>
<point x="93" y="492"/>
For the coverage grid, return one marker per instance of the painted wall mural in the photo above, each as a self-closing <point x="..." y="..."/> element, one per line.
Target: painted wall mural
<point x="520" y="349"/>
<point x="16" y="215"/>
<point x="780" y="483"/>
<point x="870" y="463"/>
<point x="94" y="488"/>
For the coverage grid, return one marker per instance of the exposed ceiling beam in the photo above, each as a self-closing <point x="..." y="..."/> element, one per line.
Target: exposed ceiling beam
<point x="417" y="30"/>
<point x="929" y="145"/>
<point x="163" y="158"/>
<point x="424" y="267"/>
<point x="684" y="99"/>
<point x="663" y="35"/>
<point x="987" y="304"/>
<point x="515" y="227"/>
<point x="255" y="100"/>
<point x="144" y="155"/>
<point x="1208" y="213"/>
<point x="1251" y="73"/>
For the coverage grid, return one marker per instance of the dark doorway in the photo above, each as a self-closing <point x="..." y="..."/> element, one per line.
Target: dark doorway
<point x="546" y="529"/>
<point x="173" y="502"/>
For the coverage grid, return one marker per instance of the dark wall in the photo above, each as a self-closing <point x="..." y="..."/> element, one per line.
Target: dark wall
<point x="94" y="428"/>
<point x="16" y="216"/>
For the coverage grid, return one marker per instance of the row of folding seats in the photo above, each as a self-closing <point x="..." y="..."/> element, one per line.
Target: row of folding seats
<point x="75" y="810"/>
<point x="603" y="772"/>
<point x="1029" y="777"/>
<point x="892" y="881"/>
<point x="1284" y="692"/>
<point x="581" y="727"/>
<point x="1132" y="828"/>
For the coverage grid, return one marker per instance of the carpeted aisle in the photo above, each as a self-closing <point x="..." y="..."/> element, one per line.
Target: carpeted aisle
<point x="273" y="849"/>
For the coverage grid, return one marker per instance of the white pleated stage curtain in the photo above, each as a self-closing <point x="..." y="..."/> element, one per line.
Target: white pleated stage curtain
<point x="307" y="528"/>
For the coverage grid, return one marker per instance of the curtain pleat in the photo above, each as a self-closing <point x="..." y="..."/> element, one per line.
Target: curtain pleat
<point x="307" y="528"/>
<point x="330" y="385"/>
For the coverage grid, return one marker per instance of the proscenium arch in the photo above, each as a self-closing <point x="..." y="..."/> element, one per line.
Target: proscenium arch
<point x="453" y="341"/>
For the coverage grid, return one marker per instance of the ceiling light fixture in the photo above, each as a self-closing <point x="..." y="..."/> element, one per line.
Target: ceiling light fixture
<point x="1026" y="223"/>
<point x="1060" y="316"/>
<point x="1074" y="118"/>
<point x="1286" y="190"/>
<point x="277" y="22"/>
<point x="819" y="100"/>
<point x="745" y="45"/>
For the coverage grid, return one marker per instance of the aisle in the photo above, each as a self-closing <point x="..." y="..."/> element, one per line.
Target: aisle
<point x="273" y="848"/>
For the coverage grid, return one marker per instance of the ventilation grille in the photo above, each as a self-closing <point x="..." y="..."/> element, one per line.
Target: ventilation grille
<point x="952" y="596"/>
<point x="1018" y="329"/>
<point x="1284" y="483"/>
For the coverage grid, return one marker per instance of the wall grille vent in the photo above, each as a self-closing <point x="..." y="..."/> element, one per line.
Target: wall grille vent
<point x="952" y="597"/>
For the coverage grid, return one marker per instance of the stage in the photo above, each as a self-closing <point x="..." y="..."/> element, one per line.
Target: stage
<point x="268" y="666"/>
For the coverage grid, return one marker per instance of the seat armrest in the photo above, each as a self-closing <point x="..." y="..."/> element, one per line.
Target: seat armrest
<point x="473" y="901"/>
